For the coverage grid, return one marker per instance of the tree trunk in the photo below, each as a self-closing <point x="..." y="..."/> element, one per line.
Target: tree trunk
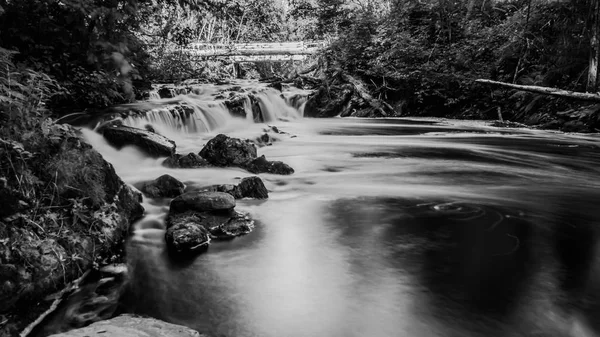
<point x="592" y="84"/>
<point x="545" y="90"/>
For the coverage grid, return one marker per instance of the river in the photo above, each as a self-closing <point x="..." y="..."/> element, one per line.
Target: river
<point x="388" y="227"/>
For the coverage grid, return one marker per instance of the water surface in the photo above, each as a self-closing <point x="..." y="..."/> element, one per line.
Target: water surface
<point x="390" y="227"/>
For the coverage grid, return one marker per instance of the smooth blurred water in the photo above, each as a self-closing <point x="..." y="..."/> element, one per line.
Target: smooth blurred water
<point x="390" y="227"/>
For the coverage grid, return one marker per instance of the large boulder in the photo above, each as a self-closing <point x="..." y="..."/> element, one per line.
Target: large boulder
<point x="164" y="186"/>
<point x="187" y="238"/>
<point x="226" y="151"/>
<point x="149" y="142"/>
<point x="131" y="326"/>
<point x="40" y="252"/>
<point x="190" y="160"/>
<point x="262" y="165"/>
<point x="202" y="202"/>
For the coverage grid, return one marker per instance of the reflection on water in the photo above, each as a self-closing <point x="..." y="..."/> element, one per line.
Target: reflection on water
<point x="388" y="228"/>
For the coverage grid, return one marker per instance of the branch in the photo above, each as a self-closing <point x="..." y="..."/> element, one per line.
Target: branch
<point x="545" y="90"/>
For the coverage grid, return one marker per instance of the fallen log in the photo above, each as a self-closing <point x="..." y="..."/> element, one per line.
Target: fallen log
<point x="545" y="90"/>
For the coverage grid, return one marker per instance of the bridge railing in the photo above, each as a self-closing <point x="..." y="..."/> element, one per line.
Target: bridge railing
<point x="255" y="48"/>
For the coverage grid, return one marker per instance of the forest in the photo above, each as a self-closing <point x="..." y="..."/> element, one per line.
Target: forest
<point x="66" y="209"/>
<point x="421" y="57"/>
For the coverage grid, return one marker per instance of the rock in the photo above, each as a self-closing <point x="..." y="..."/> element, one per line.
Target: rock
<point x="203" y="219"/>
<point x="575" y="126"/>
<point x="43" y="251"/>
<point x="202" y="201"/>
<point x="164" y="186"/>
<point x="131" y="326"/>
<point x="166" y="92"/>
<point x="190" y="160"/>
<point x="151" y="143"/>
<point x="276" y="85"/>
<point x="238" y="224"/>
<point x="253" y="187"/>
<point x="264" y="140"/>
<point x="225" y="188"/>
<point x="226" y="151"/>
<point x="187" y="238"/>
<point x="262" y="165"/>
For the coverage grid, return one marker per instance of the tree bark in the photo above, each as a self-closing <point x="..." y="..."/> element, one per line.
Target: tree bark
<point x="545" y="90"/>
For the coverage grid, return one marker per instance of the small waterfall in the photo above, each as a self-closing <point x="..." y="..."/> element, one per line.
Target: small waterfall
<point x="153" y="95"/>
<point x="187" y="115"/>
<point x="198" y="112"/>
<point x="273" y="106"/>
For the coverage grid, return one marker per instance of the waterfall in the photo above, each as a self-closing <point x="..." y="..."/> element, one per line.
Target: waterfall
<point x="194" y="113"/>
<point x="273" y="106"/>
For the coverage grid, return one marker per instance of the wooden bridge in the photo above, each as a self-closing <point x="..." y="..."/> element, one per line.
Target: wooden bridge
<point x="256" y="51"/>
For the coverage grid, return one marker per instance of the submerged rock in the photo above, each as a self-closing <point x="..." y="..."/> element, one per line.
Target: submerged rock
<point x="226" y="151"/>
<point x="202" y="201"/>
<point x="131" y="326"/>
<point x="149" y="142"/>
<point x="164" y="186"/>
<point x="187" y="238"/>
<point x="238" y="224"/>
<point x="251" y="187"/>
<point x="190" y="160"/>
<point x="262" y="165"/>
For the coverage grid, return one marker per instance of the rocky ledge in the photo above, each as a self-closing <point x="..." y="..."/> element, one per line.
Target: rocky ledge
<point x="148" y="141"/>
<point x="132" y="326"/>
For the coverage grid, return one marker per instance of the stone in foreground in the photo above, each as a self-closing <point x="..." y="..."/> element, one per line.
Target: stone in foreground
<point x="202" y="202"/>
<point x="251" y="187"/>
<point x="187" y="239"/>
<point x="262" y="165"/>
<point x="239" y="224"/>
<point x="131" y="326"/>
<point x="227" y="151"/>
<point x="204" y="219"/>
<point x="164" y="186"/>
<point x="149" y="142"/>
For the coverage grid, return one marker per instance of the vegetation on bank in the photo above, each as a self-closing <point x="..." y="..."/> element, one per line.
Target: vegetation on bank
<point x="423" y="57"/>
<point x="64" y="209"/>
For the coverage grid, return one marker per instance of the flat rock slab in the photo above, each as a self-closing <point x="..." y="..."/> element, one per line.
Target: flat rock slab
<point x="130" y="326"/>
<point x="149" y="142"/>
<point x="202" y="202"/>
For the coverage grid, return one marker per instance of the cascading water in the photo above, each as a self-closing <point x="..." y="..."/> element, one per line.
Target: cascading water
<point x="388" y="227"/>
<point x="202" y="113"/>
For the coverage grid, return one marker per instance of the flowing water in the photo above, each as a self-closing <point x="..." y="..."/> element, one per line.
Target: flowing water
<point x="389" y="227"/>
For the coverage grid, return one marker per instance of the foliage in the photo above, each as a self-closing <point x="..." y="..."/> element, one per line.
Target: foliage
<point x="424" y="56"/>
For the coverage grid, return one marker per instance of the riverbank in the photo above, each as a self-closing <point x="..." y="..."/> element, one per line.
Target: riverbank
<point x="64" y="212"/>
